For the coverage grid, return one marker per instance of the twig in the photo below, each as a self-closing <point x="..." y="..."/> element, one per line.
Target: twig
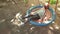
<point x="56" y="5"/>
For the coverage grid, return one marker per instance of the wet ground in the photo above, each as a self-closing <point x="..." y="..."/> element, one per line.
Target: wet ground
<point x="9" y="8"/>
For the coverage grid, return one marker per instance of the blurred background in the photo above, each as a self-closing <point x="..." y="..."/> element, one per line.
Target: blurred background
<point x="9" y="8"/>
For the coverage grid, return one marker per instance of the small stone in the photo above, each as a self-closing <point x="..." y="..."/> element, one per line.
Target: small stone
<point x="56" y="27"/>
<point x="51" y="28"/>
<point x="12" y="20"/>
<point x="32" y="4"/>
<point x="58" y="9"/>
<point x="53" y="22"/>
<point x="2" y="20"/>
<point x="32" y="28"/>
<point x="17" y="15"/>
